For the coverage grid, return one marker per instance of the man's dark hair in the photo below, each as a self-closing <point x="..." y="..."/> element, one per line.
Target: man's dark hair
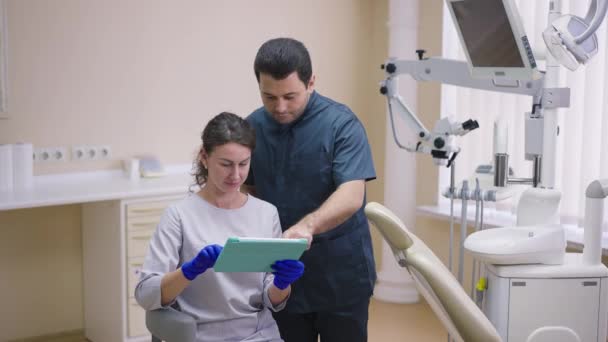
<point x="280" y="57"/>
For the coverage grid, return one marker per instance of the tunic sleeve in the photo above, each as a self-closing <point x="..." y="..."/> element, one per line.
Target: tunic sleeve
<point x="352" y="154"/>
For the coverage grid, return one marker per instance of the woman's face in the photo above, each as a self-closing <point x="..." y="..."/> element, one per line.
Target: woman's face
<point x="227" y="166"/>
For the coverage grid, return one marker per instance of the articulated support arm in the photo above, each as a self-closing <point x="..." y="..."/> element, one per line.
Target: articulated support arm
<point x="448" y="71"/>
<point x="440" y="141"/>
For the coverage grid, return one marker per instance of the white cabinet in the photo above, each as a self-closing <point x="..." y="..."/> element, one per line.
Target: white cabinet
<point x="518" y="302"/>
<point x="115" y="237"/>
<point x="572" y="303"/>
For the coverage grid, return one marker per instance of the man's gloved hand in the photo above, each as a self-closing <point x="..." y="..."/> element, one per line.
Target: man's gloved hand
<point x="286" y="272"/>
<point x="202" y="261"/>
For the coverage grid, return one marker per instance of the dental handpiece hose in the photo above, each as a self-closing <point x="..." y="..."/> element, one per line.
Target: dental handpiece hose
<point x="452" y="195"/>
<point x="463" y="230"/>
<point x="451" y="242"/>
<point x="477" y="198"/>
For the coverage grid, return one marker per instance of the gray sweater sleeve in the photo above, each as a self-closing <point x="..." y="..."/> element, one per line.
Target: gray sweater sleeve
<point x="162" y="257"/>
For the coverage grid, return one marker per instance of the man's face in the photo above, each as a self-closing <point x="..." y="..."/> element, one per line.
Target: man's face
<point x="285" y="99"/>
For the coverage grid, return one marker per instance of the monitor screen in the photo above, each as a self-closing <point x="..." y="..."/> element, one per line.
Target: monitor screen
<point x="486" y="31"/>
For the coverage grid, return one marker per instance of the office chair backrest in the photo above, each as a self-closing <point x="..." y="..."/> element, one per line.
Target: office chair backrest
<point x="457" y="312"/>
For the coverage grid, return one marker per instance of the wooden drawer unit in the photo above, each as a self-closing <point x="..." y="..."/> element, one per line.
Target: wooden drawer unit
<point x="146" y="209"/>
<point x="138" y="241"/>
<point x="116" y="235"/>
<point x="135" y="224"/>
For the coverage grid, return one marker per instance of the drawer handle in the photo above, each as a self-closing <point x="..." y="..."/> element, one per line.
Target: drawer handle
<point x="142" y="237"/>
<point x="140" y="224"/>
<point x="146" y="210"/>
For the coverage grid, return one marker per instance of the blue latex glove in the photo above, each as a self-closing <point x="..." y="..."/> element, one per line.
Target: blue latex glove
<point x="286" y="272"/>
<point x="202" y="261"/>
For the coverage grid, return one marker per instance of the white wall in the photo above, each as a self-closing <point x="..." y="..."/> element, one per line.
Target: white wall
<point x="144" y="76"/>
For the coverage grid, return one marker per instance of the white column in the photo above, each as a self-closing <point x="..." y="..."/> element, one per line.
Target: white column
<point x="394" y="283"/>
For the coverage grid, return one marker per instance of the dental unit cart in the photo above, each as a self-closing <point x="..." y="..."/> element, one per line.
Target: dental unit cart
<point x="521" y="298"/>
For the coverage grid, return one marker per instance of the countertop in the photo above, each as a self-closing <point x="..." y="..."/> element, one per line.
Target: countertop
<point x="72" y="188"/>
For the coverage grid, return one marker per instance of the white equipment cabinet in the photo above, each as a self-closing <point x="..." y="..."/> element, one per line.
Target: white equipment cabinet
<point x="115" y="237"/>
<point x="523" y="298"/>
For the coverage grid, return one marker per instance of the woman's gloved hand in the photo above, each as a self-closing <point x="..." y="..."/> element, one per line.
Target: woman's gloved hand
<point x="286" y="272"/>
<point x="202" y="261"/>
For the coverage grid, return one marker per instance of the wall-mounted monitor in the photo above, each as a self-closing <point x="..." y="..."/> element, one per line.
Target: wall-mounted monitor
<point x="493" y="39"/>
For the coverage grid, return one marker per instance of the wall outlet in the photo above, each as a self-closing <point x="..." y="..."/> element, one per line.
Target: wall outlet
<point x="50" y="154"/>
<point x="78" y="153"/>
<point x="91" y="152"/>
<point x="59" y="154"/>
<point x="42" y="155"/>
<point x="104" y="152"/>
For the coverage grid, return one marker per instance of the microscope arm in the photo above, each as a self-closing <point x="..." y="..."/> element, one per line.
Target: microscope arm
<point x="453" y="72"/>
<point x="389" y="87"/>
<point x="437" y="143"/>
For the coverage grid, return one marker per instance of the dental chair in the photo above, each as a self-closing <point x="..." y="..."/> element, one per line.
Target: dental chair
<point x="170" y="325"/>
<point x="461" y="317"/>
<point x="463" y="320"/>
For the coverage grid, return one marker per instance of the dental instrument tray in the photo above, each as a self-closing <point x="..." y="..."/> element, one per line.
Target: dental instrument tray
<point x="257" y="254"/>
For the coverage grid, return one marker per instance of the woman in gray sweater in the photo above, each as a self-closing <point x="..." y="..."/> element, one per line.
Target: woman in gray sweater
<point x="178" y="269"/>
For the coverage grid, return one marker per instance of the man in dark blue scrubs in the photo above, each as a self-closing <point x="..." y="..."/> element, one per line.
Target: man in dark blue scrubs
<point x="311" y="161"/>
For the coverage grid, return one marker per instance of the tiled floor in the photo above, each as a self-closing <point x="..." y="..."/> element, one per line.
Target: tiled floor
<point x="388" y="323"/>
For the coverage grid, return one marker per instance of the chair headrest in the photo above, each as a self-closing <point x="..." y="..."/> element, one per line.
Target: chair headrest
<point x="395" y="235"/>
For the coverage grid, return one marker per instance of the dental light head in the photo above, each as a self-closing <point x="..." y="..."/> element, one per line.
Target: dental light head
<point x="572" y="40"/>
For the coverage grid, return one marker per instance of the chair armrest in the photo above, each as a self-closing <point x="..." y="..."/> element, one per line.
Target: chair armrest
<point x="171" y="325"/>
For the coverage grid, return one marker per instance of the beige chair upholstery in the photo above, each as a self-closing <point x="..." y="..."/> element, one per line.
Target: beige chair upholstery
<point x="456" y="311"/>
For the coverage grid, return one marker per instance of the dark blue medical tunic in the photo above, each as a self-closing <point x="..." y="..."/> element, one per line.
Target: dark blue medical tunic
<point x="297" y="167"/>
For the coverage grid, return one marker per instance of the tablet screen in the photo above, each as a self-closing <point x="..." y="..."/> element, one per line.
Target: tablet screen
<point x="257" y="254"/>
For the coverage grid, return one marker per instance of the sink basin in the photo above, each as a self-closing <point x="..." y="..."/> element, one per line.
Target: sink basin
<point x="538" y="244"/>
